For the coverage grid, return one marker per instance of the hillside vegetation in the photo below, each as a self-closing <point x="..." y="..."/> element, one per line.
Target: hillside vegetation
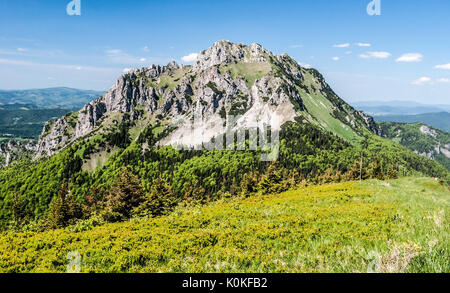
<point x="385" y="226"/>
<point x="420" y="138"/>
<point x="29" y="188"/>
<point x="25" y="121"/>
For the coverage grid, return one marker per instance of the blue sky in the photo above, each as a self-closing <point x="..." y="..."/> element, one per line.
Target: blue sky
<point x="403" y="54"/>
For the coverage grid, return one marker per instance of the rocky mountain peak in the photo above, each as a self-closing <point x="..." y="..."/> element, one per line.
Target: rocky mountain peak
<point x="225" y="52"/>
<point x="227" y="80"/>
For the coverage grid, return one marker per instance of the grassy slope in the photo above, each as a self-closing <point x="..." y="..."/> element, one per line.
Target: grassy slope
<point x="345" y="227"/>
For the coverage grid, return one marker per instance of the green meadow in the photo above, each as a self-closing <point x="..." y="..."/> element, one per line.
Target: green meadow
<point x="371" y="226"/>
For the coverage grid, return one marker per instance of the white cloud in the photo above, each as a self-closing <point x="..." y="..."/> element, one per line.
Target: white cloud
<point x="410" y="57"/>
<point x="346" y="45"/>
<point x="190" y="58"/>
<point x="146" y="49"/>
<point x="422" y="80"/>
<point x="126" y="70"/>
<point x="335" y="58"/>
<point x="443" y="66"/>
<point x="348" y="52"/>
<point x="295" y="46"/>
<point x="444" y="80"/>
<point x="363" y="44"/>
<point x="142" y="59"/>
<point x="21" y="50"/>
<point x="375" y="55"/>
<point x="78" y="68"/>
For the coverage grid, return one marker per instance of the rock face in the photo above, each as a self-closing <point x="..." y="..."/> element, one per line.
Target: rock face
<point x="14" y="150"/>
<point x="248" y="83"/>
<point x="426" y="130"/>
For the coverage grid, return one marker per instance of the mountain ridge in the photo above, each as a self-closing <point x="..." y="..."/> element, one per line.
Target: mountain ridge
<point x="439" y="120"/>
<point x="54" y="97"/>
<point x="226" y="79"/>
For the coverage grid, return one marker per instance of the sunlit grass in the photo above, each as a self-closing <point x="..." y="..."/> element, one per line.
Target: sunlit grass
<point x="398" y="225"/>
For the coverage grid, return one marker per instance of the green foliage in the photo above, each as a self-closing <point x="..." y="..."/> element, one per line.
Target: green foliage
<point x="25" y="121"/>
<point x="120" y="136"/>
<point x="161" y="200"/>
<point x="20" y="210"/>
<point x="330" y="228"/>
<point x="410" y="136"/>
<point x="126" y="194"/>
<point x="272" y="182"/>
<point x="249" y="71"/>
<point x="63" y="210"/>
<point x="306" y="150"/>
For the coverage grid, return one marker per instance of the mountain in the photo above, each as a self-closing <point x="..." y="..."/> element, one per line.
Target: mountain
<point x="421" y="139"/>
<point x="439" y="120"/>
<point x="380" y="108"/>
<point x="50" y="98"/>
<point x="239" y="121"/>
<point x="227" y="79"/>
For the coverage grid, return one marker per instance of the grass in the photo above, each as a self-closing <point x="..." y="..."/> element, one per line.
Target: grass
<point x="393" y="226"/>
<point x="250" y="71"/>
<point x="168" y="79"/>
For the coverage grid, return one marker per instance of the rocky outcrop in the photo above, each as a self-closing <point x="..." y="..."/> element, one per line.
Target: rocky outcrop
<point x="12" y="150"/>
<point x="428" y="131"/>
<point x="225" y="52"/>
<point x="371" y="124"/>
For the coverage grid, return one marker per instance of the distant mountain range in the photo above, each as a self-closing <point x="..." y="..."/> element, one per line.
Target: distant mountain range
<point x="381" y="108"/>
<point x="407" y="112"/>
<point x="24" y="112"/>
<point x="50" y="98"/>
<point x="439" y="120"/>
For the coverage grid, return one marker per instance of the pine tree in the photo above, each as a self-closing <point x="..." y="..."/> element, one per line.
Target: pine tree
<point x="376" y="170"/>
<point x="272" y="181"/>
<point x="93" y="200"/>
<point x="63" y="209"/>
<point x="249" y="183"/>
<point x="160" y="201"/>
<point x="125" y="195"/>
<point x="19" y="209"/>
